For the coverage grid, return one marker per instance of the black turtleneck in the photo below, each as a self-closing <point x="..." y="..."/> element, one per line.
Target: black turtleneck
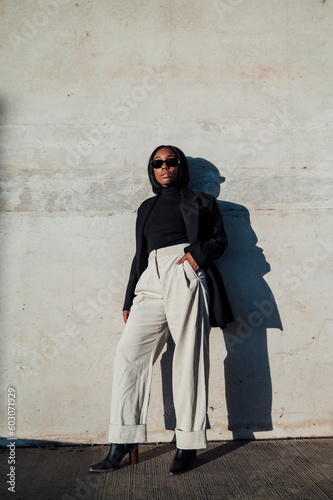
<point x="165" y="225"/>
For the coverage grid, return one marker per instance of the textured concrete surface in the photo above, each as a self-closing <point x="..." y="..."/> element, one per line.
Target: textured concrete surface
<point x="89" y="89"/>
<point x="234" y="470"/>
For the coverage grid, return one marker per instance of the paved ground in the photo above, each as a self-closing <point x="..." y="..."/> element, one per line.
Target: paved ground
<point x="280" y="469"/>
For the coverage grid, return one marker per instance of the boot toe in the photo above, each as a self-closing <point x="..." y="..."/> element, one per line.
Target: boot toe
<point x="103" y="466"/>
<point x="182" y="462"/>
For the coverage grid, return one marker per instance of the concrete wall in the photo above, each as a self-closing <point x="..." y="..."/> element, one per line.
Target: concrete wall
<point x="89" y="89"/>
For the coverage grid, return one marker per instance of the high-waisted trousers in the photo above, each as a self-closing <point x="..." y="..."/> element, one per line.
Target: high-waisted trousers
<point x="170" y="299"/>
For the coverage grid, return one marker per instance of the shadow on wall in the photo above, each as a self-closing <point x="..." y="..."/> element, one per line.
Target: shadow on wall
<point x="248" y="385"/>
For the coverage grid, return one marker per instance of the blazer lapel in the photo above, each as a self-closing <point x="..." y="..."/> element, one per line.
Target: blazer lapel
<point x="190" y="212"/>
<point x="145" y="213"/>
<point x="141" y="249"/>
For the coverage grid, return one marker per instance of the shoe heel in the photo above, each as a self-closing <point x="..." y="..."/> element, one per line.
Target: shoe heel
<point x="134" y="456"/>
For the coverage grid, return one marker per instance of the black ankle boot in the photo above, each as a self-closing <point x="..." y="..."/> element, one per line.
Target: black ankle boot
<point x="182" y="461"/>
<point x="116" y="454"/>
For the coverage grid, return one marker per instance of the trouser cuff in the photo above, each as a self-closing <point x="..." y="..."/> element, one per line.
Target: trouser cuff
<point x="193" y="440"/>
<point x="123" y="434"/>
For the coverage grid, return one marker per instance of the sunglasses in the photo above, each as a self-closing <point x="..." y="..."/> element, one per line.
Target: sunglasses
<point x="170" y="162"/>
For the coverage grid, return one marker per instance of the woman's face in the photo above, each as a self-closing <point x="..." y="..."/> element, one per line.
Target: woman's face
<point x="166" y="176"/>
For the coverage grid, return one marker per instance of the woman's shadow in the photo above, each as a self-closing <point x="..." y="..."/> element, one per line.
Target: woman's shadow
<point x="248" y="385"/>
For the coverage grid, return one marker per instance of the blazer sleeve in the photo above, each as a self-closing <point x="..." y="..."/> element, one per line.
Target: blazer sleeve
<point x="132" y="281"/>
<point x="134" y="274"/>
<point x="212" y="245"/>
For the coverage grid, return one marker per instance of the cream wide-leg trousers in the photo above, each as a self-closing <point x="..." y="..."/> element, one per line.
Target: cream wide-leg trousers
<point x="171" y="299"/>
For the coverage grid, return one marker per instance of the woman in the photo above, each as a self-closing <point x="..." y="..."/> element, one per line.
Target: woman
<point x="174" y="289"/>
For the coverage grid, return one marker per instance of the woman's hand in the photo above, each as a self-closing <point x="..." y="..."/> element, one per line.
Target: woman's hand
<point x="190" y="260"/>
<point x="125" y="315"/>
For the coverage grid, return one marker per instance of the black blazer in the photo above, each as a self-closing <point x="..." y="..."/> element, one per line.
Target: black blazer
<point x="207" y="242"/>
